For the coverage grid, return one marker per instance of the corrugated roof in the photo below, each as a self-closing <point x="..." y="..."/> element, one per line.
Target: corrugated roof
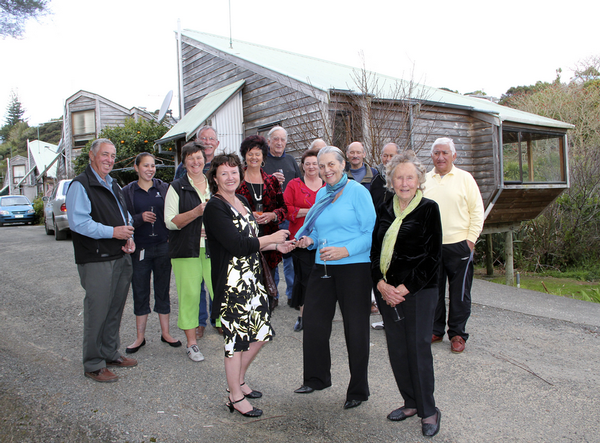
<point x="189" y="124"/>
<point x="43" y="154"/>
<point x="326" y="75"/>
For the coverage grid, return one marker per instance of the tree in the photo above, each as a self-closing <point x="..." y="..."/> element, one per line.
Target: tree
<point x="14" y="114"/>
<point x="130" y="139"/>
<point x="14" y="14"/>
<point x="567" y="234"/>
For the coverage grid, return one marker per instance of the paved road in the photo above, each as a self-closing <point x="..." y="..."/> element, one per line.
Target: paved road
<point x="531" y="371"/>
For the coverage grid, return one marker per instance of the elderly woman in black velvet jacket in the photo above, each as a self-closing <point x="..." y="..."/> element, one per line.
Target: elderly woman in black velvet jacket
<point x="406" y="249"/>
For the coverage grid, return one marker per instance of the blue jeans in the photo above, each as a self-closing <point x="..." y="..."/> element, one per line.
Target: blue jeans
<point x="204" y="313"/>
<point x="157" y="262"/>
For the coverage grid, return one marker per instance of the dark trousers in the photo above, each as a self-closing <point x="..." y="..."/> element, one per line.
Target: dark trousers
<point x="106" y="286"/>
<point x="409" y="348"/>
<point x="156" y="262"/>
<point x="304" y="260"/>
<point x="350" y="286"/>
<point x="457" y="268"/>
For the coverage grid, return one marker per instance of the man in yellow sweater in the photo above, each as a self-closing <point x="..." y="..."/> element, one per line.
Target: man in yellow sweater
<point x="461" y="209"/>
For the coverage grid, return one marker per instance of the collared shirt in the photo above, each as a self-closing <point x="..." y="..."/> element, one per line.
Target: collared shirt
<point x="461" y="206"/>
<point x="79" y="210"/>
<point x="172" y="207"/>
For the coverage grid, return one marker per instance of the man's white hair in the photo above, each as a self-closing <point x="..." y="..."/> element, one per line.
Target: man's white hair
<point x="444" y="141"/>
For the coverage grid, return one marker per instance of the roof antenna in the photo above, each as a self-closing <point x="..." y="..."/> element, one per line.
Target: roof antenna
<point x="230" y="39"/>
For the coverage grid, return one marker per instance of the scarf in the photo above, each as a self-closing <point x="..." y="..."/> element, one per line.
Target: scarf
<point x="389" y="240"/>
<point x="331" y="193"/>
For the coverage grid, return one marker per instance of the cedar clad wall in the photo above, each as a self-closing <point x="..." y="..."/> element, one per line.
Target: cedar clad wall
<point x="265" y="100"/>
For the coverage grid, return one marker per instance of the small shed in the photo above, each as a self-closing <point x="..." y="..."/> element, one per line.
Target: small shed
<point x="518" y="159"/>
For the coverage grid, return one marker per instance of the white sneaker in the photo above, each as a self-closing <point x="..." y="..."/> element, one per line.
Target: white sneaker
<point x="377" y="325"/>
<point x="194" y="353"/>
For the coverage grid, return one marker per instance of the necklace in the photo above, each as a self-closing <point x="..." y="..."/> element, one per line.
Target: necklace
<point x="260" y="189"/>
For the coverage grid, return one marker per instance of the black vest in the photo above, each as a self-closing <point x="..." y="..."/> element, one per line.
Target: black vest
<point x="106" y="211"/>
<point x="185" y="243"/>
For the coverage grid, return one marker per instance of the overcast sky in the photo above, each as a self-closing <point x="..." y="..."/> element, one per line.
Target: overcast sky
<point x="125" y="50"/>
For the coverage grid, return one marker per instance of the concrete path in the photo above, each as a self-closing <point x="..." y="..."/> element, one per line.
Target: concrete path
<point x="530" y="371"/>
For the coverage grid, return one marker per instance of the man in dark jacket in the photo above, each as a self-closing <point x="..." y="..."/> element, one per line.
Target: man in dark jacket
<point x="102" y="241"/>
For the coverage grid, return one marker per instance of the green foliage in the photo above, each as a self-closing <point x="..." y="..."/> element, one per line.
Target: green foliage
<point x="130" y="139"/>
<point x="14" y="115"/>
<point x="567" y="234"/>
<point x="15" y="13"/>
<point x="38" y="206"/>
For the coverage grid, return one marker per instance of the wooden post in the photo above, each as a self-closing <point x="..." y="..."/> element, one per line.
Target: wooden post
<point x="489" y="254"/>
<point x="509" y="257"/>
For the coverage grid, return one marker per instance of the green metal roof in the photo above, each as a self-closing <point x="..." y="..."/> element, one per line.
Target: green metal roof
<point x="327" y="75"/>
<point x="189" y="124"/>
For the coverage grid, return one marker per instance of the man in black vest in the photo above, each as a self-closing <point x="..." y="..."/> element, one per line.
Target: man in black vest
<point x="102" y="240"/>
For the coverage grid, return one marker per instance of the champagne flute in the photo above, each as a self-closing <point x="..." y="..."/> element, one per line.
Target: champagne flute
<point x="153" y="209"/>
<point x="322" y="244"/>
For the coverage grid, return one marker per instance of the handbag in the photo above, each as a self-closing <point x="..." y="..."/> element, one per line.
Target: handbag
<point x="268" y="280"/>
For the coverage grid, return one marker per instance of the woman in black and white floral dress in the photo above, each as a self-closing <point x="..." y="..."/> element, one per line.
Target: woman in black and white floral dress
<point x="240" y="299"/>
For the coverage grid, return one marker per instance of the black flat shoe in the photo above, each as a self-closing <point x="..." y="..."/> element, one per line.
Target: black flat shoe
<point x="255" y="412"/>
<point x="298" y="326"/>
<point x="135" y="349"/>
<point x="253" y="394"/>
<point x="399" y="415"/>
<point x="304" y="390"/>
<point x="352" y="404"/>
<point x="429" y="430"/>
<point x="174" y="344"/>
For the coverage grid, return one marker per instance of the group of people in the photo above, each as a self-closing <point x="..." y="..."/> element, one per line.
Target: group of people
<point x="346" y="230"/>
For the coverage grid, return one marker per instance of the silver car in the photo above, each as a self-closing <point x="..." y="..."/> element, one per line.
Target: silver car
<point x="55" y="211"/>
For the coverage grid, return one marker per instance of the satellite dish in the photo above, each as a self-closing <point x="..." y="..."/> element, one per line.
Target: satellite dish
<point x="165" y="106"/>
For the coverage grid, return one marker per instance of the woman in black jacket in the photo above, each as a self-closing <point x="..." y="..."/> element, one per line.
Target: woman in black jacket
<point x="237" y="274"/>
<point x="145" y="199"/>
<point x="405" y="255"/>
<point x="184" y="208"/>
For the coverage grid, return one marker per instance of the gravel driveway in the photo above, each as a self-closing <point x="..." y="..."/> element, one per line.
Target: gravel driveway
<point x="531" y="371"/>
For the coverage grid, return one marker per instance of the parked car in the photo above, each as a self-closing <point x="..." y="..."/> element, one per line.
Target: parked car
<point x="16" y="209"/>
<point x="55" y="211"/>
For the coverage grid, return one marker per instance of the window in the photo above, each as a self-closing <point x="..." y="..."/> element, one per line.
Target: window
<point x="84" y="123"/>
<point x="18" y="173"/>
<point x="532" y="157"/>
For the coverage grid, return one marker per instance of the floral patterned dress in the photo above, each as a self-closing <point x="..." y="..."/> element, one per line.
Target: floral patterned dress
<point x="245" y="313"/>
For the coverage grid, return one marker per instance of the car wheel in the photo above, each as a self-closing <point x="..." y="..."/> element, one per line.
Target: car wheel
<point x="47" y="229"/>
<point x="59" y="235"/>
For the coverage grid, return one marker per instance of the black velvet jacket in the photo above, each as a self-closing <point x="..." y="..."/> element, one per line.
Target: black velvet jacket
<point x="418" y="248"/>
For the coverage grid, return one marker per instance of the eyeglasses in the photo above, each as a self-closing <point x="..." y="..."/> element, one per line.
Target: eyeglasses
<point x="205" y="139"/>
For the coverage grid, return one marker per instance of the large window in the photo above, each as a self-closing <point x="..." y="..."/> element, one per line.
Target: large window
<point x="84" y="127"/>
<point x="18" y="173"/>
<point x="532" y="157"/>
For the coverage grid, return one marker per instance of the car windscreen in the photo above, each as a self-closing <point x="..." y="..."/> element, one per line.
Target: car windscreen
<point x="14" y="201"/>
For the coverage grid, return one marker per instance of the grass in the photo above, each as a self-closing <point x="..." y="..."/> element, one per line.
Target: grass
<point x="572" y="286"/>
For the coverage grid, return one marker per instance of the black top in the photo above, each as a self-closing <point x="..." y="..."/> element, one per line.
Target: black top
<point x="224" y="242"/>
<point x="105" y="210"/>
<point x="418" y="248"/>
<point x="185" y="242"/>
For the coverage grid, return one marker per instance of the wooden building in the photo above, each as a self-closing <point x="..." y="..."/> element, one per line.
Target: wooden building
<point x="85" y="115"/>
<point x="518" y="159"/>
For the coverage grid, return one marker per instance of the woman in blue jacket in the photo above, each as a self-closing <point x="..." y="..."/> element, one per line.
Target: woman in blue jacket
<point x="339" y="226"/>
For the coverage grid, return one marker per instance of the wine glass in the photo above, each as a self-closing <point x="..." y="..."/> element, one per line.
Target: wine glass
<point x="281" y="172"/>
<point x="322" y="244"/>
<point x="153" y="210"/>
<point x="259" y="208"/>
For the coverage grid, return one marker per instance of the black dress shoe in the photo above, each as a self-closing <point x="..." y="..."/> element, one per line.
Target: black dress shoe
<point x="174" y="344"/>
<point x="304" y="390"/>
<point x="352" y="404"/>
<point x="399" y="414"/>
<point x="135" y="349"/>
<point x="429" y="429"/>
<point x="253" y="394"/>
